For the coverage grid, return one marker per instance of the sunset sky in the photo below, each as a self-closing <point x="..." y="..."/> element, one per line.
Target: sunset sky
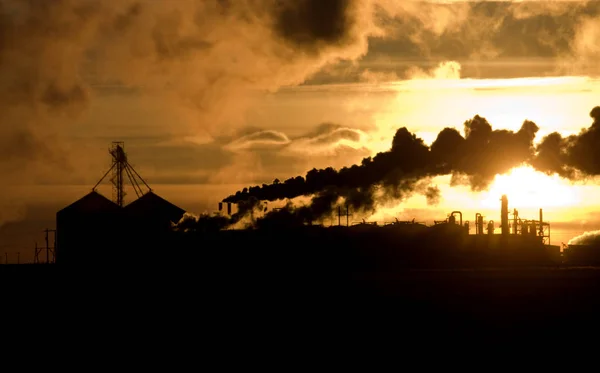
<point x="212" y="96"/>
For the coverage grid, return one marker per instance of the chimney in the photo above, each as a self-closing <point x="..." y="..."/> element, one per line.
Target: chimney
<point x="504" y="215"/>
<point x="541" y="223"/>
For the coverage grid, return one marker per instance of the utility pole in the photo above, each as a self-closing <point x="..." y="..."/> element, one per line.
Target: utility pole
<point x="347" y="214"/>
<point x="47" y="248"/>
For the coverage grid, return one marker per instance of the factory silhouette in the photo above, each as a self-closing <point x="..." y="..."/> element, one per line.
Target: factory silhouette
<point x="98" y="230"/>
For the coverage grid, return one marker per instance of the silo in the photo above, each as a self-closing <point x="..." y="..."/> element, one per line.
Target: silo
<point x="87" y="231"/>
<point x="153" y="210"/>
<point x="148" y="225"/>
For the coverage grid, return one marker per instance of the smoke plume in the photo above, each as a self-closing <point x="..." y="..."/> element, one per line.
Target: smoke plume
<point x="394" y="175"/>
<point x="473" y="159"/>
<point x="572" y="156"/>
<point x="588" y="238"/>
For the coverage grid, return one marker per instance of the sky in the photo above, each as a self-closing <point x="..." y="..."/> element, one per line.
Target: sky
<point x="213" y="96"/>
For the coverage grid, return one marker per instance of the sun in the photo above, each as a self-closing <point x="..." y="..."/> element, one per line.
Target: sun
<point x="528" y="188"/>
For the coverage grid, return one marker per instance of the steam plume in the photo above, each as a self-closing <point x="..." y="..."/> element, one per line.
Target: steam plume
<point x="56" y="56"/>
<point x="588" y="238"/>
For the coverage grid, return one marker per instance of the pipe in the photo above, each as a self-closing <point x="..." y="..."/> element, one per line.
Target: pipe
<point x="504" y="215"/>
<point x="460" y="214"/>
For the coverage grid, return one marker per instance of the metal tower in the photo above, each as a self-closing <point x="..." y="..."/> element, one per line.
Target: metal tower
<point x="121" y="168"/>
<point x="49" y="249"/>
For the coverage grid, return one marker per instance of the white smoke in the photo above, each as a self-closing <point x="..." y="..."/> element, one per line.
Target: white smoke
<point x="588" y="238"/>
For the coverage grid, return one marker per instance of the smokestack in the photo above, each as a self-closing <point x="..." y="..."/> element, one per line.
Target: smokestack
<point x="220" y="206"/>
<point x="228" y="208"/>
<point x="478" y="223"/>
<point x="541" y="223"/>
<point x="504" y="215"/>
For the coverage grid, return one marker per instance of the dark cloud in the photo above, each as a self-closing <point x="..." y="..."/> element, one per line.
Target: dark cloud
<point x="309" y="24"/>
<point x="572" y="156"/>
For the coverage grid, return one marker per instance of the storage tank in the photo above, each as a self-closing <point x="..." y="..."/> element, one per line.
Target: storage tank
<point x="87" y="229"/>
<point x="150" y="212"/>
<point x="148" y="228"/>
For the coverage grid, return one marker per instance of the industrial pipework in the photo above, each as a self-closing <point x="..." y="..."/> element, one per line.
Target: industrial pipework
<point x="459" y="214"/>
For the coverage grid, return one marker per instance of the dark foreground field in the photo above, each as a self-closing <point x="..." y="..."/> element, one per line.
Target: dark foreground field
<point x="482" y="303"/>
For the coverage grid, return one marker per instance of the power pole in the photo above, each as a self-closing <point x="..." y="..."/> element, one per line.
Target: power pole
<point x="48" y="248"/>
<point x="347" y="215"/>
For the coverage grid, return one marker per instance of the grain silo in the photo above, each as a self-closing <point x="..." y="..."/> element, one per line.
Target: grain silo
<point x="87" y="230"/>
<point x="151" y="213"/>
<point x="100" y="230"/>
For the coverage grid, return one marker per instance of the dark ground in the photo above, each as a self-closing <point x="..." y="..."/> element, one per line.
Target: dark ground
<point x="486" y="304"/>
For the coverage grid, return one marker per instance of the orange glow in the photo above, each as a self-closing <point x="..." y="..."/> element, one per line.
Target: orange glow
<point x="529" y="188"/>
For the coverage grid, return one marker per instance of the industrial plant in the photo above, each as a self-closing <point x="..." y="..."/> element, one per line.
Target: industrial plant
<point x="99" y="230"/>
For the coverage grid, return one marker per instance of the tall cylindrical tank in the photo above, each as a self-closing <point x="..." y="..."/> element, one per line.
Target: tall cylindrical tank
<point x="490" y="227"/>
<point x="228" y="208"/>
<point x="479" y="224"/>
<point x="504" y="215"/>
<point x="220" y="206"/>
